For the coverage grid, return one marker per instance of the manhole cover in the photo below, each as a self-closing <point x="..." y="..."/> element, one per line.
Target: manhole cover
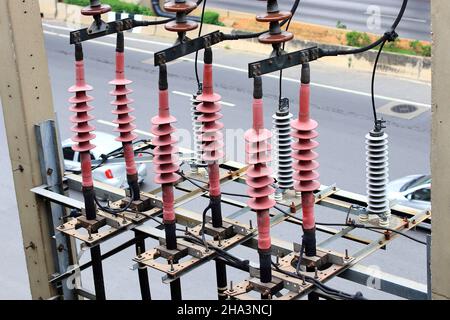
<point x="404" y="108"/>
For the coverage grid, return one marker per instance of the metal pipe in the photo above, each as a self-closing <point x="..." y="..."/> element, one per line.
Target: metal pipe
<point x="142" y="271"/>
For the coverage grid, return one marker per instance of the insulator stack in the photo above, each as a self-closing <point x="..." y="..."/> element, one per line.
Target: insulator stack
<point x="196" y="129"/>
<point x="124" y="120"/>
<point x="304" y="162"/>
<point x="83" y="130"/>
<point x="377" y="173"/>
<point x="181" y="25"/>
<point x="211" y="136"/>
<point x="95" y="8"/>
<point x="273" y="16"/>
<point x="165" y="160"/>
<point x="283" y="151"/>
<point x="258" y="155"/>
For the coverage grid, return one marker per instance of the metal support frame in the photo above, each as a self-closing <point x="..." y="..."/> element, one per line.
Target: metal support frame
<point x="353" y="271"/>
<point x="50" y="158"/>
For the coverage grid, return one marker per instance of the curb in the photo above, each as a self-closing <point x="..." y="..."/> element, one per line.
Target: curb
<point x="411" y="67"/>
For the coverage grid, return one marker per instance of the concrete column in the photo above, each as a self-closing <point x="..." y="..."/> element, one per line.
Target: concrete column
<point x="27" y="100"/>
<point x="440" y="156"/>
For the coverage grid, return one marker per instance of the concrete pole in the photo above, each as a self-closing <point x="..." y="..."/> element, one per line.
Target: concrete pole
<point x="26" y="98"/>
<point x="440" y="156"/>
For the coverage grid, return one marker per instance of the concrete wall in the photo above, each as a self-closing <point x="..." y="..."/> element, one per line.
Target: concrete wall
<point x="48" y="8"/>
<point x="440" y="157"/>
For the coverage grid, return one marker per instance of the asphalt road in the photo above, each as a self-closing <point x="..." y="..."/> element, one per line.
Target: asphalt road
<point x="340" y="103"/>
<point x="374" y="16"/>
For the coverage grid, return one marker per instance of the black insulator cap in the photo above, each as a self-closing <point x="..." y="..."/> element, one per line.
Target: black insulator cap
<point x="120" y="44"/>
<point x="163" y="85"/>
<point x="306" y="73"/>
<point x="208" y="57"/>
<point x="257" y="88"/>
<point x="78" y="52"/>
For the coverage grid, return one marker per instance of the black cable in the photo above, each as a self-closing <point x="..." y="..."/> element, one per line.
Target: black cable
<point x="116" y="211"/>
<point x="199" y="86"/>
<point x="205" y="211"/>
<point x="374" y="72"/>
<point x="319" y="285"/>
<point x="389" y="35"/>
<point x="358" y="226"/>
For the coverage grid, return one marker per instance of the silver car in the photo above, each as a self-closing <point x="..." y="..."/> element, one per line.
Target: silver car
<point x="412" y="191"/>
<point x="113" y="174"/>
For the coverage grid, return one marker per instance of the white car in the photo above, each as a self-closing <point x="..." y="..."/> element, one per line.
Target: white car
<point x="413" y="191"/>
<point x="113" y="174"/>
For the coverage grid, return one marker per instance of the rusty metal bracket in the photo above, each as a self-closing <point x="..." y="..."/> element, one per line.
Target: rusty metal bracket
<point x="283" y="61"/>
<point x="188" y="47"/>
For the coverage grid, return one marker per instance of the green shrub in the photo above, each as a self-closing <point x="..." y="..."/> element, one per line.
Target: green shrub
<point x="357" y="39"/>
<point x="117" y="6"/>
<point x="426" y="50"/>
<point x="212" y="17"/>
<point x="340" y="25"/>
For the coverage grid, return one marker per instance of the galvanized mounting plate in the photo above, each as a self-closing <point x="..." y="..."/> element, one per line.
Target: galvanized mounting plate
<point x="328" y="263"/>
<point x="332" y="261"/>
<point x="199" y="254"/>
<point x="295" y="287"/>
<point x="114" y="224"/>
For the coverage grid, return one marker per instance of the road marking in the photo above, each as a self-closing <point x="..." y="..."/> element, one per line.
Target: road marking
<point x="144" y="133"/>
<point x="108" y="123"/>
<point x="221" y="66"/>
<point x="184" y="94"/>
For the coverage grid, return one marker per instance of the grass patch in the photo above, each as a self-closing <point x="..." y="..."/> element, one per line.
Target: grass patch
<point x="212" y="17"/>
<point x="362" y="39"/>
<point x="117" y="6"/>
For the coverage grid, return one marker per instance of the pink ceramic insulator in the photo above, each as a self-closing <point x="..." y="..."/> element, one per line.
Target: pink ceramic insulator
<point x="258" y="154"/>
<point x="82" y="128"/>
<point x="305" y="163"/>
<point x="165" y="160"/>
<point x="124" y="120"/>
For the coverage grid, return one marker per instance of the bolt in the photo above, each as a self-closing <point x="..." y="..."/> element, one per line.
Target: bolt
<point x="139" y="252"/>
<point x="292" y="208"/>
<point x="220" y="241"/>
<point x="346" y="254"/>
<point x="31" y="245"/>
<point x="303" y="279"/>
<point x="187" y="230"/>
<point x="316" y="274"/>
<point x="277" y="262"/>
<point x="231" y="286"/>
<point x="90" y="235"/>
<point x="171" y="265"/>
<point x="251" y="224"/>
<point x="49" y="171"/>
